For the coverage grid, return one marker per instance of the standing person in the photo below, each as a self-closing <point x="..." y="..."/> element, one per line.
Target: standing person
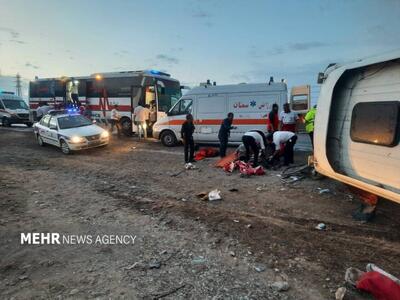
<point x="288" y="119"/>
<point x="146" y="115"/>
<point x="224" y="133"/>
<point x="74" y="93"/>
<point x="309" y="120"/>
<point x="285" y="139"/>
<point x="187" y="131"/>
<point x="140" y="120"/>
<point x="273" y="119"/>
<point x="254" y="141"/>
<point x="42" y="110"/>
<point x="115" y="116"/>
<point x="87" y="112"/>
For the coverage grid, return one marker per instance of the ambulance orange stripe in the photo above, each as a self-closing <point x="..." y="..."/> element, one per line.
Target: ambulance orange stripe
<point x="218" y="122"/>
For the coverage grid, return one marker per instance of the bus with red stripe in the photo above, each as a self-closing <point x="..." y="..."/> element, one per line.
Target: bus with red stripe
<point x="100" y="92"/>
<point x="210" y="104"/>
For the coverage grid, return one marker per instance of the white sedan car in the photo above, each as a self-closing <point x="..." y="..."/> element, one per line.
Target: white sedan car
<point x="70" y="132"/>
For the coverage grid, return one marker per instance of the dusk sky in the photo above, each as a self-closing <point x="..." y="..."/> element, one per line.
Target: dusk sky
<point x="226" y="41"/>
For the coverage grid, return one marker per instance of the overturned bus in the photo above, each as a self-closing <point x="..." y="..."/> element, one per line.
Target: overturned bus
<point x="357" y="126"/>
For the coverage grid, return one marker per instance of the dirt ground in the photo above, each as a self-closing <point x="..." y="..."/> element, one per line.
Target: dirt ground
<point x="185" y="248"/>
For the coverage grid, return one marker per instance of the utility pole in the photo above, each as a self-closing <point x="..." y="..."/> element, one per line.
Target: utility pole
<point x="18" y="86"/>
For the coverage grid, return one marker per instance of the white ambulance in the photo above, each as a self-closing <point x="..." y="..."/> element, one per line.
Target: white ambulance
<point x="210" y="104"/>
<point x="13" y="110"/>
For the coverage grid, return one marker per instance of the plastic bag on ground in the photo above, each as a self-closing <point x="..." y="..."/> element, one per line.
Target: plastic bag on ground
<point x="214" y="195"/>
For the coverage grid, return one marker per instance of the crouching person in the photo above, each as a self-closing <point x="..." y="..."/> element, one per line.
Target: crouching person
<point x="285" y="139"/>
<point x="187" y="138"/>
<point x="253" y="141"/>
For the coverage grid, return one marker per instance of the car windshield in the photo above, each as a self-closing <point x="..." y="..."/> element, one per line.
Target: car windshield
<point x="73" y="122"/>
<point x="15" y="104"/>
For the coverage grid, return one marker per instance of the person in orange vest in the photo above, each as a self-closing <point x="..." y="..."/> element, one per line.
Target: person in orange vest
<point x="273" y="119"/>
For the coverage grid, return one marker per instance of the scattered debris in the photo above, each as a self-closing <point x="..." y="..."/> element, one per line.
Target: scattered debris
<point x="233" y="190"/>
<point x="199" y="260"/>
<point x="236" y="221"/>
<point x="280" y="286"/>
<point x="249" y="226"/>
<point x="260" y="268"/>
<point x="323" y="191"/>
<point x="203" y="196"/>
<point x="168" y="293"/>
<point x="375" y="281"/>
<point x="154" y="265"/>
<point x="23" y="277"/>
<point x="184" y="199"/>
<point x="232" y="253"/>
<point x="340" y="293"/>
<point x="320" y="226"/>
<point x="74" y="292"/>
<point x="131" y="266"/>
<point x="374" y="268"/>
<point x="244" y="168"/>
<point x="164" y="252"/>
<point x="190" y="166"/>
<point x="133" y="148"/>
<point x="214" y="195"/>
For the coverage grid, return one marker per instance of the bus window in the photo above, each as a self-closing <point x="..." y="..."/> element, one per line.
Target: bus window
<point x="169" y="92"/>
<point x="47" y="88"/>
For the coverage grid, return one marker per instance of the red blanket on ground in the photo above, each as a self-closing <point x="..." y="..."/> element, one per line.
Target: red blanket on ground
<point x="206" y="152"/>
<point x="244" y="168"/>
<point x="381" y="287"/>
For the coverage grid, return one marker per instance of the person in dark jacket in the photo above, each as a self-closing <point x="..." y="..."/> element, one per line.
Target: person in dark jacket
<point x="223" y="134"/>
<point x="273" y="119"/>
<point x="187" y="138"/>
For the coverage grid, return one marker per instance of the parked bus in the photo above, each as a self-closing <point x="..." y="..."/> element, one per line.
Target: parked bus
<point x="357" y="126"/>
<point x="101" y="91"/>
<point x="210" y="104"/>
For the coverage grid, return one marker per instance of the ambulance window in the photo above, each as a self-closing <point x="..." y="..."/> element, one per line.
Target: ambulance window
<point x="183" y="107"/>
<point x="45" y="121"/>
<point x="376" y="123"/>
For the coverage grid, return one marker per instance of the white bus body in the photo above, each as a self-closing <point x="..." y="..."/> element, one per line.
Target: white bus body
<point x="357" y="125"/>
<point x="210" y="104"/>
<point x="101" y="91"/>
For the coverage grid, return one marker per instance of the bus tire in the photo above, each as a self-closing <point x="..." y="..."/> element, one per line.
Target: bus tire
<point x="168" y="138"/>
<point x="126" y="126"/>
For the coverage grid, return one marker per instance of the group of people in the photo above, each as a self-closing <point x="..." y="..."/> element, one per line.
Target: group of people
<point x="141" y="115"/>
<point x="278" y="141"/>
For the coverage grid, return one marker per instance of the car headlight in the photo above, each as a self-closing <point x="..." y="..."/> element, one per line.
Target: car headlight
<point x="77" y="139"/>
<point x="104" y="134"/>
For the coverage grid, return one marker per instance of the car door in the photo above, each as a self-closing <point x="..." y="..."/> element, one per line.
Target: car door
<point x="43" y="129"/>
<point x="52" y="133"/>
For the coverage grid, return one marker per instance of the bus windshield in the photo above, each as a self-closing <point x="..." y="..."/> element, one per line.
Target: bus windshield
<point x="15" y="104"/>
<point x="169" y="92"/>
